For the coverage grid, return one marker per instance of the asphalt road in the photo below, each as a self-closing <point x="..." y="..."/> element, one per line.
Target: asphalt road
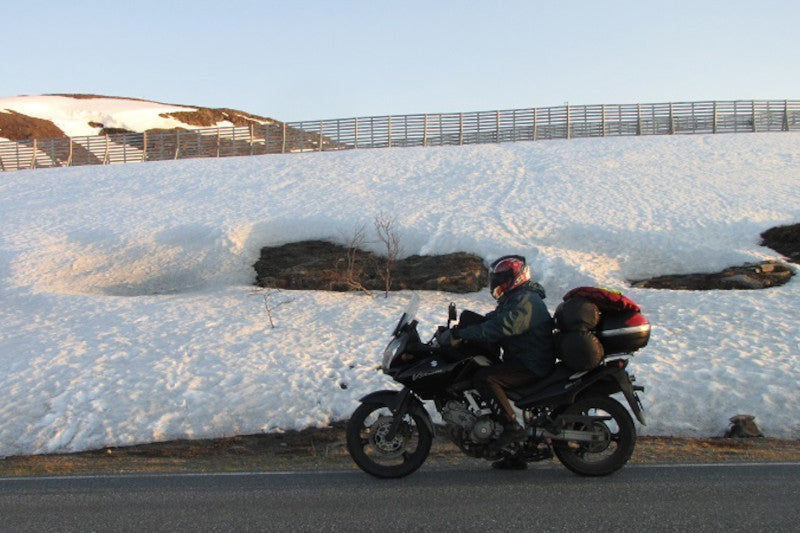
<point x="763" y="497"/>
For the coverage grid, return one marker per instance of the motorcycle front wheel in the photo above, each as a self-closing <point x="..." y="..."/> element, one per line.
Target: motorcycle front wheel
<point x="380" y="456"/>
<point x="604" y="456"/>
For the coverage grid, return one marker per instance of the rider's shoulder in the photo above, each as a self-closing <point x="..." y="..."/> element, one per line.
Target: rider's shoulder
<point x="527" y="290"/>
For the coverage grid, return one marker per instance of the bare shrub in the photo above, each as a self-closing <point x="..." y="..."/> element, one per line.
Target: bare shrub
<point x="273" y="299"/>
<point x="386" y="229"/>
<point x="353" y="269"/>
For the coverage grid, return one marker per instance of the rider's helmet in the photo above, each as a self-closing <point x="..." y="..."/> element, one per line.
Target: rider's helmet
<point x="507" y="273"/>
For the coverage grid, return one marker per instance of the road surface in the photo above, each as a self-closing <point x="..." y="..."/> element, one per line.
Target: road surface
<point x="761" y="497"/>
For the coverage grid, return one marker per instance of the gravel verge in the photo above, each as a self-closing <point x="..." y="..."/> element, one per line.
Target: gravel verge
<point x="324" y="449"/>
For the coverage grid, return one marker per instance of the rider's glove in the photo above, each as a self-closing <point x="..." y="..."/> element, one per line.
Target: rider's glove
<point x="449" y="337"/>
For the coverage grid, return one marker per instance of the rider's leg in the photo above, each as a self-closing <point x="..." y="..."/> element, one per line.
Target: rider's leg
<point x="497" y="378"/>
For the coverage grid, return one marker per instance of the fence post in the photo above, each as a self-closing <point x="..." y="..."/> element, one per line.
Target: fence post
<point x="638" y="119"/>
<point x="785" y="124"/>
<point x="515" y="128"/>
<point x="671" y="119"/>
<point x="714" y="118"/>
<point x="687" y="113"/>
<point x="603" y="120"/>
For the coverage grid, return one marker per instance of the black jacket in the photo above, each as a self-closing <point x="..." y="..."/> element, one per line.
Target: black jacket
<point x="522" y="326"/>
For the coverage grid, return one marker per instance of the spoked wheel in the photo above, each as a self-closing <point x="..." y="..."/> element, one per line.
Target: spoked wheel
<point x="375" y="453"/>
<point x="607" y="455"/>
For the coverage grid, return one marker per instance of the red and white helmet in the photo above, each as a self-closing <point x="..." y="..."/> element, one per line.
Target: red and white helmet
<point x="507" y="273"/>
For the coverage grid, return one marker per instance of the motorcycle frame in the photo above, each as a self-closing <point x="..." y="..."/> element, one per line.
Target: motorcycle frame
<point x="605" y="380"/>
<point x="608" y="379"/>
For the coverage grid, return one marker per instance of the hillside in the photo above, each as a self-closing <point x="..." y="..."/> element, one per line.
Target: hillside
<point x="130" y="314"/>
<point x="75" y="115"/>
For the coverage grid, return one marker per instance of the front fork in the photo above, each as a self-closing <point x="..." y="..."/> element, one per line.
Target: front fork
<point x="400" y="403"/>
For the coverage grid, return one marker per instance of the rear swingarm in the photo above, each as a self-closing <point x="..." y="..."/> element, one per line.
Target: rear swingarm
<point x="579" y="435"/>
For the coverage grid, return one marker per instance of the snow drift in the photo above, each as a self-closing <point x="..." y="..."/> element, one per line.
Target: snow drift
<point x="128" y="312"/>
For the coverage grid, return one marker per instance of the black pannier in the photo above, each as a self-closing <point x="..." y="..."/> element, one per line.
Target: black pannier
<point x="576" y="344"/>
<point x="592" y="323"/>
<point x="580" y="350"/>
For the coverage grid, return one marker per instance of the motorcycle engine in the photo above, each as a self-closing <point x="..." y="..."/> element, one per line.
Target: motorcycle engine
<point x="465" y="426"/>
<point x="456" y="414"/>
<point x="483" y="430"/>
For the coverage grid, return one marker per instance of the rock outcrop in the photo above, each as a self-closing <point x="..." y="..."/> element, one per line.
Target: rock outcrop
<point x="322" y="265"/>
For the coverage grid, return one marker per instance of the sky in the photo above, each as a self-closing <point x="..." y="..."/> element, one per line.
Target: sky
<point x="317" y="59"/>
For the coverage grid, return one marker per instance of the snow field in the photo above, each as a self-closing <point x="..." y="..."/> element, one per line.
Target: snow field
<point x="128" y="314"/>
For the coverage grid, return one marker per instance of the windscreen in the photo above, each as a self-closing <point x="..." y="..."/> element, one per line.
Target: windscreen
<point x="409" y="314"/>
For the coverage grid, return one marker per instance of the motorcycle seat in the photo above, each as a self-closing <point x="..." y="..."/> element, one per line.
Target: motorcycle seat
<point x="560" y="373"/>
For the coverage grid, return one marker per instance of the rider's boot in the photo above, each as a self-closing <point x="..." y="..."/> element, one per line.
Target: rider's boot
<point x="512" y="432"/>
<point x="510" y="462"/>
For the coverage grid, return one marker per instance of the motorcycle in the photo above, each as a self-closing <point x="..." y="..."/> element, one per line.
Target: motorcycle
<point x="569" y="414"/>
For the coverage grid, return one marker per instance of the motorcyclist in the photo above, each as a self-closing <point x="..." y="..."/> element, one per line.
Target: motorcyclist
<point x="523" y="327"/>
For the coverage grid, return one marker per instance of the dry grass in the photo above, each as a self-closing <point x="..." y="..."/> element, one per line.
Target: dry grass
<point x="18" y="127"/>
<point x="323" y="449"/>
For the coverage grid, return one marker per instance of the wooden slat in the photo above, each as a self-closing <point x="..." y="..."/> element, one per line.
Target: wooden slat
<point x="560" y="122"/>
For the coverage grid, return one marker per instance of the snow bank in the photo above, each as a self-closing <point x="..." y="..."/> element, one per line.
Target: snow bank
<point x="128" y="314"/>
<point x="73" y="115"/>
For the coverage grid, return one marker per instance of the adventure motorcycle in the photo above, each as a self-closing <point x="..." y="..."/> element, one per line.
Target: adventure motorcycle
<point x="570" y="414"/>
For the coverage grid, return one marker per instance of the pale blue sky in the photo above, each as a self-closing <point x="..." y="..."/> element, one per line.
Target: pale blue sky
<point x="313" y="59"/>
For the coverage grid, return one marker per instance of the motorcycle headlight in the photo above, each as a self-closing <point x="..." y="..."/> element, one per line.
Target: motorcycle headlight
<point x="393" y="350"/>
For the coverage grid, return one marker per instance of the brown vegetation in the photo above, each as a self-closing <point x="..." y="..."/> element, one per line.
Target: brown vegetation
<point x="322" y="265"/>
<point x="18" y="127"/>
<point x="324" y="448"/>
<point x="209" y="118"/>
<point x="785" y="240"/>
<point x="745" y="277"/>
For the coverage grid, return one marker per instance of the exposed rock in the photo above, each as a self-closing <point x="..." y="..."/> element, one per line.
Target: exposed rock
<point x="746" y="277"/>
<point x="743" y="426"/>
<point x="322" y="265"/>
<point x="785" y="240"/>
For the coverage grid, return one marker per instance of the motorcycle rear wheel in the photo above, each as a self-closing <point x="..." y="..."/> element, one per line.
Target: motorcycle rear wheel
<point x="379" y="456"/>
<point x="603" y="457"/>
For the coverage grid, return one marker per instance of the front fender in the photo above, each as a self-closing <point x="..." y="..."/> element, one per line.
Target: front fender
<point x="399" y="403"/>
<point x="390" y="398"/>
